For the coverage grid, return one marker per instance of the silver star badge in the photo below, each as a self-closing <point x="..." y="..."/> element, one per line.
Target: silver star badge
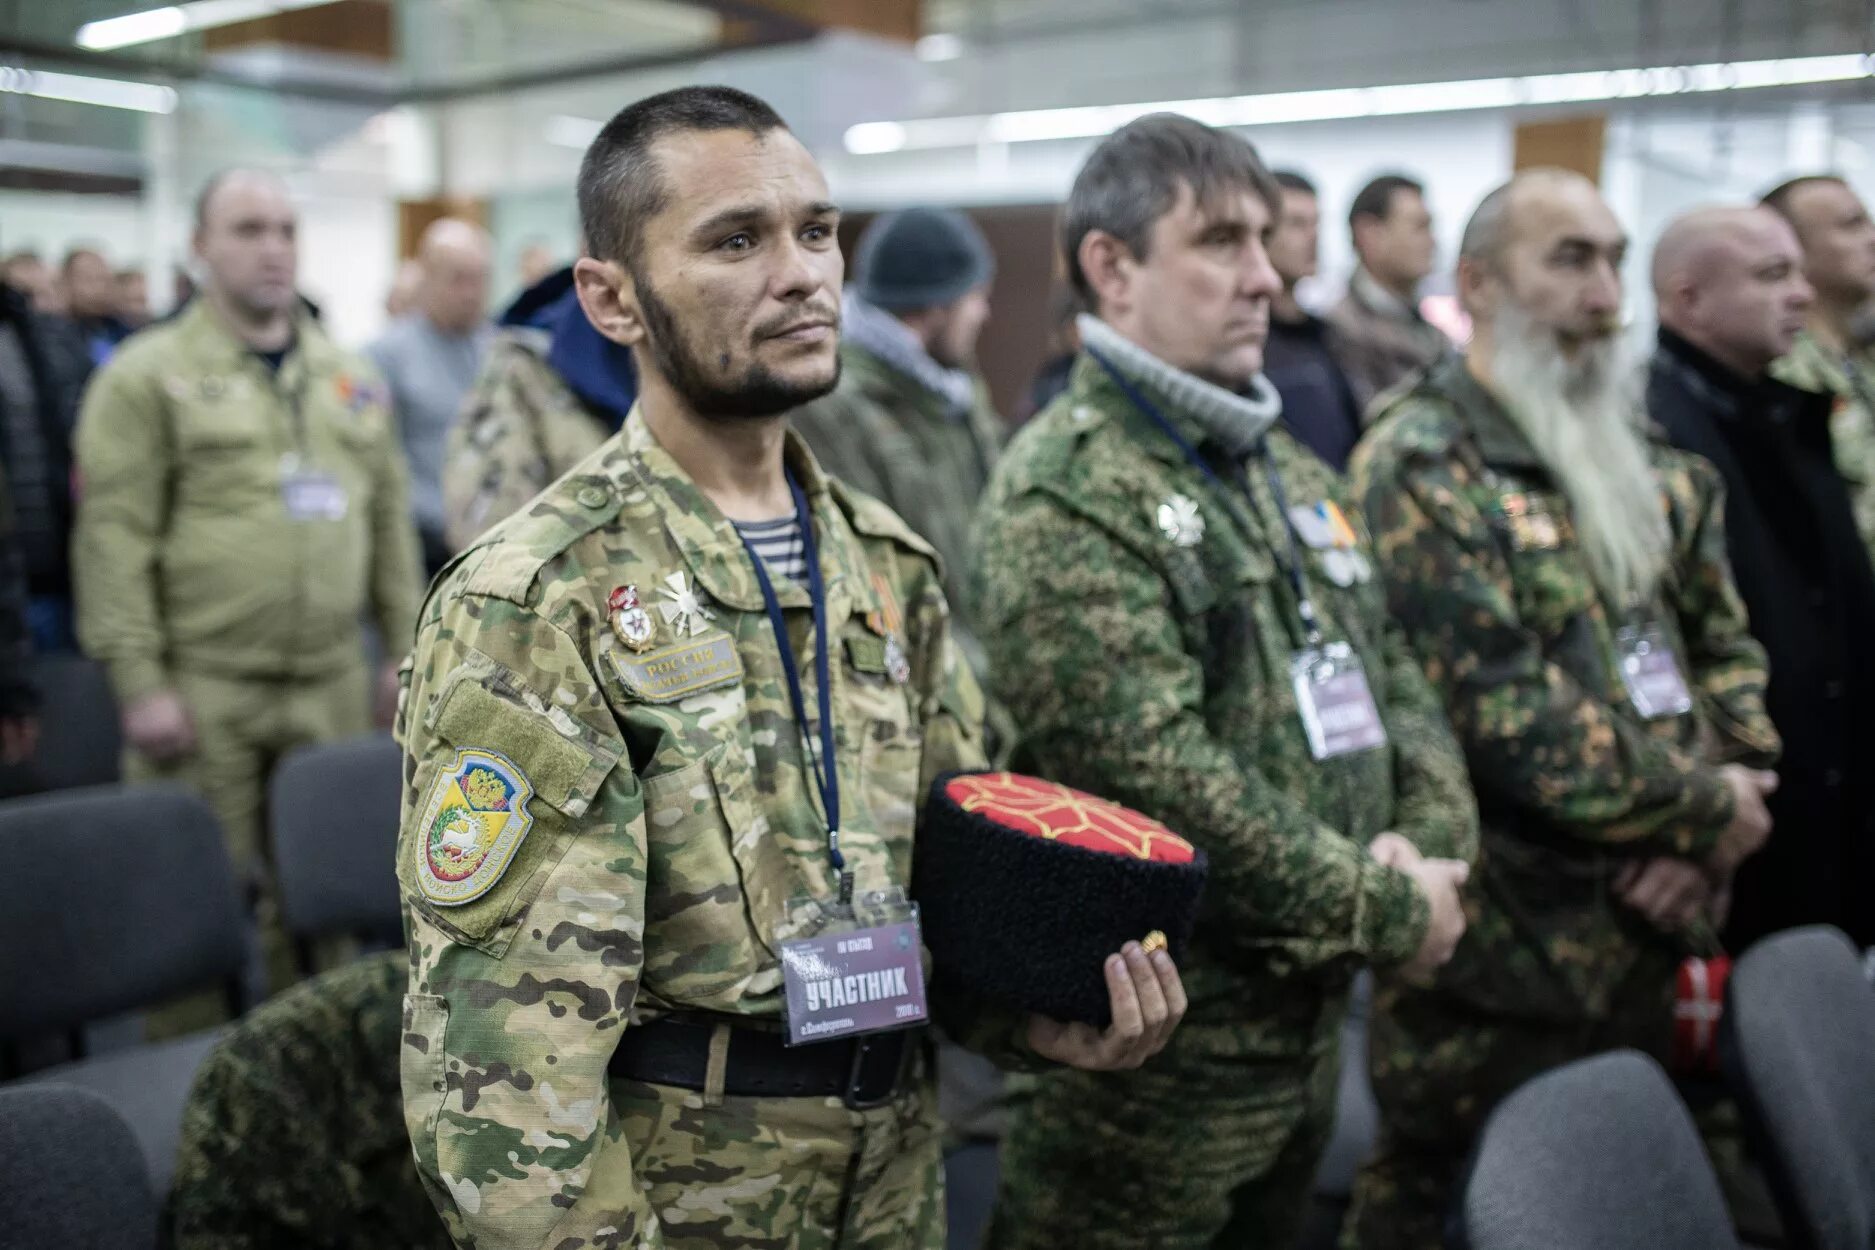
<point x="681" y="607"/>
<point x="1181" y="522"/>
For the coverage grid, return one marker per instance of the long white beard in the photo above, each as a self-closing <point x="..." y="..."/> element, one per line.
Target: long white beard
<point x="1577" y="415"/>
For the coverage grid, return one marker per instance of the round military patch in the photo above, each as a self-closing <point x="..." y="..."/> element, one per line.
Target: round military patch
<point x="473" y="824"/>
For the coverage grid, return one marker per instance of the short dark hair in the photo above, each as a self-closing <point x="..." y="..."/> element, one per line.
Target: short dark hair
<point x="1290" y="180"/>
<point x="620" y="184"/>
<point x="1376" y="198"/>
<point x="1132" y="179"/>
<point x="1778" y="198"/>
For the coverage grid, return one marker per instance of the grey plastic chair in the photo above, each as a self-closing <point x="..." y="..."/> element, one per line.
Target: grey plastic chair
<point x="79" y="740"/>
<point x="1797" y="1043"/>
<point x="117" y="898"/>
<point x="333" y="811"/>
<point x="74" y="1175"/>
<point x="1597" y="1155"/>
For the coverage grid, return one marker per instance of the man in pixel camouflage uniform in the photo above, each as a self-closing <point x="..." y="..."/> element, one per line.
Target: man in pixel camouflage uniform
<point x="614" y="821"/>
<point x="1833" y="355"/>
<point x="911" y="422"/>
<point x="1180" y="612"/>
<point x="551" y="390"/>
<point x="322" y="1059"/>
<point x="1565" y="582"/>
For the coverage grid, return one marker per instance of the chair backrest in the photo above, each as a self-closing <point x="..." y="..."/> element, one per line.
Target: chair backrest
<point x="333" y="810"/>
<point x="1798" y="1045"/>
<point x="113" y="898"/>
<point x="1597" y="1155"/>
<point x="79" y="740"/>
<point x="74" y="1174"/>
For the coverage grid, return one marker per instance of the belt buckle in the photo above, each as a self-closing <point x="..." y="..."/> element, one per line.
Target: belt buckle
<point x="858" y="1097"/>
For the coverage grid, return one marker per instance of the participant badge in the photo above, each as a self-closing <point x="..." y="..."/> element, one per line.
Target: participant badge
<point x="1337" y="708"/>
<point x="630" y="621"/>
<point x="1651" y="673"/>
<point x="860" y="971"/>
<point x="313" y="496"/>
<point x="473" y="824"/>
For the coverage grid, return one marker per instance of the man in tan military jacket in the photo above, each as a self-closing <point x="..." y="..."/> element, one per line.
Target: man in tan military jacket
<point x="242" y="509"/>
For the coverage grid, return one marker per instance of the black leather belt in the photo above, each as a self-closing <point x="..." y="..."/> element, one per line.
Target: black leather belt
<point x="865" y="1072"/>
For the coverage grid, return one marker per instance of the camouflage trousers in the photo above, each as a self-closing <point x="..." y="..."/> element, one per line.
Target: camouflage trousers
<point x="1200" y="1148"/>
<point x="1440" y="1065"/>
<point x="782" y="1173"/>
<point x="243" y="726"/>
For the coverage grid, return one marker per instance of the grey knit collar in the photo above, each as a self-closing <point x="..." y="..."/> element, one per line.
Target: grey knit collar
<point x="873" y="329"/>
<point x="1236" y="423"/>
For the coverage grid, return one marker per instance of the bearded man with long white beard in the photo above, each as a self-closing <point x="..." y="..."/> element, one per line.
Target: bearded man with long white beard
<point x="1563" y="578"/>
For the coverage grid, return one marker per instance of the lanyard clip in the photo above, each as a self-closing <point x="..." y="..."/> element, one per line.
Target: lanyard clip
<point x="1305" y="608"/>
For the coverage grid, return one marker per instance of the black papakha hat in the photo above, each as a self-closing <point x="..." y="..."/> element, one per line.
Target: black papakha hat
<point x="1025" y="886"/>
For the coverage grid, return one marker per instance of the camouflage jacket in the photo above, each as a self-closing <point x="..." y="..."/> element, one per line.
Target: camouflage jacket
<point x="594" y="835"/>
<point x="521" y="428"/>
<point x="1141" y="630"/>
<point x="186" y="552"/>
<point x="883" y="433"/>
<point x="1482" y="569"/>
<point x="293" y="1137"/>
<point x="1852" y="426"/>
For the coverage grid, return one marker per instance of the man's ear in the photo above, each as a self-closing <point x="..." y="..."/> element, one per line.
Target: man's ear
<point x="1476" y="287"/>
<point x="1108" y="266"/>
<point x="609" y="298"/>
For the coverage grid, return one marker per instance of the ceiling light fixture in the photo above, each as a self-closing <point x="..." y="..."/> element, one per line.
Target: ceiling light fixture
<point x="116" y="93"/>
<point x="1343" y="103"/>
<point x="938" y="47"/>
<point x="176" y="19"/>
<point x="567" y="131"/>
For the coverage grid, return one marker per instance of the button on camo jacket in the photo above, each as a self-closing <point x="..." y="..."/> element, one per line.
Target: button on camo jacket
<point x="607" y="818"/>
<point x="1483" y="569"/>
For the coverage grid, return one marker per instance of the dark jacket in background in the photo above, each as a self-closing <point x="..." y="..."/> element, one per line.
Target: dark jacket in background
<point x="1318" y="402"/>
<point x="1806" y="580"/>
<point x="43" y="369"/>
<point x="17" y="697"/>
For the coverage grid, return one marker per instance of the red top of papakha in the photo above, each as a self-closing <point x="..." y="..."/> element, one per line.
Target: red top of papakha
<point x="1045" y="809"/>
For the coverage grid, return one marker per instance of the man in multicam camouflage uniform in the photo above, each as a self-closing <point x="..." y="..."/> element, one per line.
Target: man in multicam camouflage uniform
<point x="1565" y="583"/>
<point x="294" y="1136"/>
<point x="552" y="389"/>
<point x="1838" y="240"/>
<point x="612" y="822"/>
<point x="1180" y="611"/>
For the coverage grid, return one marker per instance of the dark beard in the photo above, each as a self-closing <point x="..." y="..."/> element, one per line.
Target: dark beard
<point x="758" y="392"/>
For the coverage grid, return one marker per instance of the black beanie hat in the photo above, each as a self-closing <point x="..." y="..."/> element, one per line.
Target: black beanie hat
<point x="920" y="258"/>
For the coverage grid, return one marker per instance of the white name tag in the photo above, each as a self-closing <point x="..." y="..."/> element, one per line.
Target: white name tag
<point x="313" y="496"/>
<point x="1651" y="673"/>
<point x="1337" y="708"/>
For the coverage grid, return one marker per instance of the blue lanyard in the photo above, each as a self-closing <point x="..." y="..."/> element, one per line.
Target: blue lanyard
<point x="1292" y="567"/>
<point x="825" y="770"/>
